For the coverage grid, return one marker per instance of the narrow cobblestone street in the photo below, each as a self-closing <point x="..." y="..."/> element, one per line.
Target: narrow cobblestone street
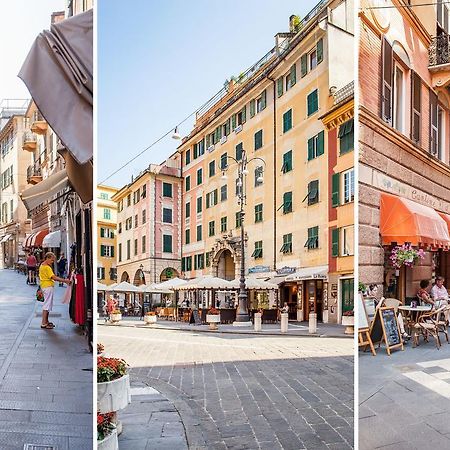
<point x="235" y="391"/>
<point x="42" y="373"/>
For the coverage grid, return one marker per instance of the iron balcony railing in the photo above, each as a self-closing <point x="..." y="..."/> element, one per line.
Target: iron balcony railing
<point x="439" y="52"/>
<point x="37" y="117"/>
<point x="34" y="171"/>
<point x="29" y="137"/>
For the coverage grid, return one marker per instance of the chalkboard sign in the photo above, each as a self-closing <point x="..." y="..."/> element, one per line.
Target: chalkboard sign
<point x="385" y="328"/>
<point x="195" y="318"/>
<point x="363" y="321"/>
<point x="369" y="304"/>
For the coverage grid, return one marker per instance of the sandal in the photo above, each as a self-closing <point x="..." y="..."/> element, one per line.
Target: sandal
<point x="48" y="326"/>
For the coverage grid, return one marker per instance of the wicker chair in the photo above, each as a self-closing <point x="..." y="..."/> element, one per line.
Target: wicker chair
<point x="428" y="324"/>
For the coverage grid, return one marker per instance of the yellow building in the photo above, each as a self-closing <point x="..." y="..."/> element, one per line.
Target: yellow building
<point x="106" y="235"/>
<point x="270" y="112"/>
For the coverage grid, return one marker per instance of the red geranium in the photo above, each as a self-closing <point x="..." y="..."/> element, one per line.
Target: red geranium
<point x="105" y="425"/>
<point x="109" y="369"/>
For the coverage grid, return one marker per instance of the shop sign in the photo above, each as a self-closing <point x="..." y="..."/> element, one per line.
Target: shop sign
<point x="286" y="270"/>
<point x="259" y="269"/>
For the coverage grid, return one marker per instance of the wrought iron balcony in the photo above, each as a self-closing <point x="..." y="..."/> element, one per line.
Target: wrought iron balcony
<point x="34" y="174"/>
<point x="29" y="141"/>
<point x="439" y="51"/>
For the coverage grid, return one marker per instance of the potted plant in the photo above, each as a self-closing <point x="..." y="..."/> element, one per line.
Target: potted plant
<point x="150" y="317"/>
<point x="100" y="349"/>
<point x="348" y="320"/>
<point x="106" y="432"/>
<point x="116" y="315"/>
<point x="213" y="318"/>
<point x="405" y="255"/>
<point x="113" y="384"/>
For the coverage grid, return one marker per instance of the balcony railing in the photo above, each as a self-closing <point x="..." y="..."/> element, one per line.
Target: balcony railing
<point x="34" y="174"/>
<point x="29" y="141"/>
<point x="439" y="51"/>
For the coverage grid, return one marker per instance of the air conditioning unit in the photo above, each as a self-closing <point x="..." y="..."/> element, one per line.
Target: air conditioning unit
<point x="223" y="139"/>
<point x="238" y="129"/>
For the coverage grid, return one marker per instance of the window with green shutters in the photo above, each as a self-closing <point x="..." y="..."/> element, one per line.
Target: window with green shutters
<point x="287" y="121"/>
<point x="120" y="252"/>
<point x="223" y="192"/>
<point x="347" y="294"/>
<point x="313" y="192"/>
<point x="261" y="101"/>
<point x="239" y="149"/>
<point x="287" y="162"/>
<point x="280" y="87"/>
<point x="207" y="140"/>
<point x="233" y="121"/>
<point x="316" y="146"/>
<point x="187" y="210"/>
<point x="258" y="139"/>
<point x="346" y="137"/>
<point x="226" y="128"/>
<point x="106" y="214"/>
<point x="313" y="238"/>
<point x="135" y="247"/>
<point x="102" y="232"/>
<point x="167" y="190"/>
<point x="259" y="213"/>
<point x="107" y="250"/>
<point x="304" y="64"/>
<point x="335" y="242"/>
<point x="199" y="176"/>
<point x="258" y="252"/>
<point x="319" y="51"/>
<point x="200" y="204"/>
<point x="207" y="259"/>
<point x="258" y="174"/>
<point x="238" y="219"/>
<point x="287" y="244"/>
<point x="252" y="108"/>
<point x="335" y="185"/>
<point x="287" y="202"/>
<point x="223" y="224"/>
<point x="187" y="236"/>
<point x="224" y="161"/>
<point x="188" y="183"/>
<point x="313" y="102"/>
<point x="211" y="228"/>
<point x="199" y="232"/>
<point x="199" y="261"/>
<point x="186" y="264"/>
<point x="242" y="116"/>
<point x="212" y="168"/>
<point x="195" y="151"/>
<point x="144" y="247"/>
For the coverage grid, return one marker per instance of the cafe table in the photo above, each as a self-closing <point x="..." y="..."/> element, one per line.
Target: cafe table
<point x="412" y="315"/>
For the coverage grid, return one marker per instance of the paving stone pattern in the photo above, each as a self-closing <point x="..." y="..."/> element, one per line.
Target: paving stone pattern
<point x="404" y="399"/>
<point x="45" y="391"/>
<point x="244" y="391"/>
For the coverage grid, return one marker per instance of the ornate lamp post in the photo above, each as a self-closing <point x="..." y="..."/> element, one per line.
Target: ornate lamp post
<point x="242" y="317"/>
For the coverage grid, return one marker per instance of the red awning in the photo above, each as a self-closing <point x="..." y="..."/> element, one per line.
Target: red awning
<point x="446" y="217"/>
<point x="403" y="220"/>
<point x="35" y="239"/>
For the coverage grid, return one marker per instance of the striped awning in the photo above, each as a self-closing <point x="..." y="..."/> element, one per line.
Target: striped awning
<point x="35" y="239"/>
<point x="5" y="238"/>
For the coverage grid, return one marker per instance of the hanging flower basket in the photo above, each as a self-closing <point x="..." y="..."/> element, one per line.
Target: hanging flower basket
<point x="405" y="255"/>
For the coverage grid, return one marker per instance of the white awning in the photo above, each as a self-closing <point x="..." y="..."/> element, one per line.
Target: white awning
<point x="309" y="273"/>
<point x="52" y="240"/>
<point x="43" y="191"/>
<point x="5" y="238"/>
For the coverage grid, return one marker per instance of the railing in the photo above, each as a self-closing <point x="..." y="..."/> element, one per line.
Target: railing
<point x="29" y="137"/>
<point x="439" y="51"/>
<point x="344" y="93"/>
<point x="37" y="117"/>
<point x="34" y="171"/>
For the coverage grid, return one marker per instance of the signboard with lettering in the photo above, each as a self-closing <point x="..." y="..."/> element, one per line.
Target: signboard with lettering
<point x="286" y="270"/>
<point x="258" y="269"/>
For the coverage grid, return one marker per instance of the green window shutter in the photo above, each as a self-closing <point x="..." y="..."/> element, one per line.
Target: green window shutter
<point x="252" y="107"/>
<point x="239" y="149"/>
<point x="208" y="203"/>
<point x="310" y="149"/>
<point x="244" y="114"/>
<point x="335" y="189"/>
<point x="188" y="210"/>
<point x="112" y="251"/>
<point x="219" y="133"/>
<point x="195" y="151"/>
<point x="215" y="196"/>
<point x="207" y="141"/>
<point x="287" y="202"/>
<point x="293" y="75"/>
<point x="188" y="183"/>
<point x="280" y="86"/>
<point x="320" y="143"/>
<point x="320" y="51"/>
<point x="258" y="139"/>
<point x="263" y="99"/>
<point x="304" y="64"/>
<point x="233" y="121"/>
<point x="102" y="250"/>
<point x="335" y="242"/>
<point x="313" y="102"/>
<point x="102" y="232"/>
<point x="287" y="121"/>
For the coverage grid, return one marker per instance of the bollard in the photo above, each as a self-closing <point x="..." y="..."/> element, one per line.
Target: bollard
<point x="312" y="322"/>
<point x="258" y="321"/>
<point x="284" y="322"/>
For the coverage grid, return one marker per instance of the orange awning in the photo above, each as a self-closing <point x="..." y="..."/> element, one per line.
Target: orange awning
<point x="446" y="217"/>
<point x="403" y="220"/>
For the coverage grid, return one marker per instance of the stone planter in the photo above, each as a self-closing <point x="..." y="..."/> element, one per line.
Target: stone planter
<point x="113" y="395"/>
<point x="150" y="319"/>
<point x="213" y="320"/>
<point x="109" y="443"/>
<point x="116" y="318"/>
<point x="349" y="323"/>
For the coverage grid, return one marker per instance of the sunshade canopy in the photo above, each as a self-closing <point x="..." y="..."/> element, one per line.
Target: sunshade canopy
<point x="58" y="72"/>
<point x="170" y="284"/>
<point x="124" y="286"/>
<point x="111" y="287"/>
<point x="5" y="238"/>
<point x="309" y="273"/>
<point x="35" y="239"/>
<point x="101" y="287"/>
<point x="52" y="240"/>
<point x="206" y="282"/>
<point x="153" y="289"/>
<point x="255" y="283"/>
<point x="403" y="220"/>
<point x="43" y="191"/>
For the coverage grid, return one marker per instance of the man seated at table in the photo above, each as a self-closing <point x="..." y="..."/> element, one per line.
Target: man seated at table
<point x="424" y="293"/>
<point x="439" y="293"/>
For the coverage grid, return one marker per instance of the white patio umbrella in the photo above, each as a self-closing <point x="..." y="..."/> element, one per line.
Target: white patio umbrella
<point x="124" y="286"/>
<point x="101" y="287"/>
<point x="206" y="282"/>
<point x="111" y="287"/>
<point x="255" y="283"/>
<point x="153" y="289"/>
<point x="170" y="284"/>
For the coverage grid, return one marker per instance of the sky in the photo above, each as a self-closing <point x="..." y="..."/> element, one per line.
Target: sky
<point x="20" y="22"/>
<point x="159" y="61"/>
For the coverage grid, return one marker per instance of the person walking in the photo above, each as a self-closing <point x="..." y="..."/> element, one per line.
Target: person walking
<point x="111" y="305"/>
<point x="62" y="265"/>
<point x="47" y="282"/>
<point x="31" y="268"/>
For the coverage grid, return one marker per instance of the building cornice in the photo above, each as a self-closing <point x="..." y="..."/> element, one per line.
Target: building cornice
<point x="338" y="115"/>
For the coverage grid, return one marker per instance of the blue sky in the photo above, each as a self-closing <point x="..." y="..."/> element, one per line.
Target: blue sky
<point x="159" y="61"/>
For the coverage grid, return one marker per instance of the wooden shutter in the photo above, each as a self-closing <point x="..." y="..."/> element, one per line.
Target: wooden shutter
<point x="263" y="99"/>
<point x="304" y="64"/>
<point x="233" y="121"/>
<point x="433" y="123"/>
<point x="293" y="75"/>
<point x="244" y="114"/>
<point x="102" y="232"/>
<point x="310" y="149"/>
<point x="320" y="143"/>
<point x="102" y="250"/>
<point x="252" y="108"/>
<point x="335" y="182"/>
<point x="112" y="251"/>
<point x="386" y="80"/>
<point x="280" y="87"/>
<point x="335" y="242"/>
<point x="319" y="51"/>
<point x="195" y="151"/>
<point x="416" y="106"/>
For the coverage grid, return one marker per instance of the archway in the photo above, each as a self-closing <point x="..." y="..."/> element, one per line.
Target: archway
<point x="226" y="267"/>
<point x="125" y="277"/>
<point x="139" y="278"/>
<point x="167" y="274"/>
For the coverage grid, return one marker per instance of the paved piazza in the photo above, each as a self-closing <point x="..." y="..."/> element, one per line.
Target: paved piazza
<point x="245" y="392"/>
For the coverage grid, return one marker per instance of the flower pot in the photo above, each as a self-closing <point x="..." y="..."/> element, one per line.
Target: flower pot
<point x="113" y="395"/>
<point x="150" y="319"/>
<point x="116" y="317"/>
<point x="213" y="320"/>
<point x="109" y="443"/>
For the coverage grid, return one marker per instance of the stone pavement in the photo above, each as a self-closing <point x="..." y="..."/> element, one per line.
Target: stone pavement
<point x="235" y="391"/>
<point x="404" y="398"/>
<point x="45" y="375"/>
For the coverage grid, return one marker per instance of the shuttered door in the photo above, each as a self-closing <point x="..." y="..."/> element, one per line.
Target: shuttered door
<point x="416" y="100"/>
<point x="386" y="94"/>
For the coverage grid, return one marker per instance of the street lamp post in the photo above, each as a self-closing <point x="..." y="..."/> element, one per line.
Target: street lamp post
<point x="242" y="317"/>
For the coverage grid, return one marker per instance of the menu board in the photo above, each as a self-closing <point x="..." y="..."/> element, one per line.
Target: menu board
<point x="392" y="332"/>
<point x="363" y="321"/>
<point x="195" y="317"/>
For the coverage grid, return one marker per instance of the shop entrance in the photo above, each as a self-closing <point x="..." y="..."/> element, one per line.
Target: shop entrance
<point x="313" y="298"/>
<point x="226" y="268"/>
<point x="289" y="296"/>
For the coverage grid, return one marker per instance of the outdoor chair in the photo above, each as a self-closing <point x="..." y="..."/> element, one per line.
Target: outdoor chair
<point x="428" y="324"/>
<point x="443" y="322"/>
<point x="392" y="303"/>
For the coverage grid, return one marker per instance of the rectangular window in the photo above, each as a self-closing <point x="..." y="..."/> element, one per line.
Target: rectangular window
<point x="135" y="221"/>
<point x="349" y="186"/>
<point x="144" y="244"/>
<point x="199" y="233"/>
<point x="107" y="250"/>
<point x="120" y="252"/>
<point x="347" y="241"/>
<point x="223" y="161"/>
<point x="259" y="176"/>
<point x="287" y="243"/>
<point x="144" y="191"/>
<point x="287" y="121"/>
<point x="167" y="243"/>
<point x="313" y="102"/>
<point x="261" y="101"/>
<point x="144" y="216"/>
<point x="120" y="227"/>
<point x="107" y="213"/>
<point x="188" y="157"/>
<point x="136" y="196"/>
<point x="416" y="107"/>
<point x="187" y="236"/>
<point x="128" y="249"/>
<point x="313" y="59"/>
<point x="100" y="273"/>
<point x="346" y="137"/>
<point x="135" y="247"/>
<point x="335" y="188"/>
<point x="316" y="146"/>
<point x="212" y="168"/>
<point x="399" y="99"/>
<point x="200" y="204"/>
<point x="287" y="202"/>
<point x="223" y="192"/>
<point x="433" y="136"/>
<point x="313" y="192"/>
<point x="386" y="81"/>
<point x="104" y="196"/>
<point x="239" y="149"/>
<point x="129" y="200"/>
<point x="187" y="210"/>
<point x="259" y="213"/>
<point x="223" y="224"/>
<point x="287" y="162"/>
<point x="238" y="219"/>
<point x="335" y="242"/>
<point x="258" y="139"/>
<point x="188" y="183"/>
<point x="167" y="190"/>
<point x="167" y="215"/>
<point x="258" y="252"/>
<point x="188" y="263"/>
<point x="304" y="64"/>
<point x="199" y="176"/>
<point x="211" y="228"/>
<point x="280" y="87"/>
<point x="313" y="238"/>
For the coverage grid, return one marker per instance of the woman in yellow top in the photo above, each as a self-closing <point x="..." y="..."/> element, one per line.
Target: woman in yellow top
<point x="47" y="281"/>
